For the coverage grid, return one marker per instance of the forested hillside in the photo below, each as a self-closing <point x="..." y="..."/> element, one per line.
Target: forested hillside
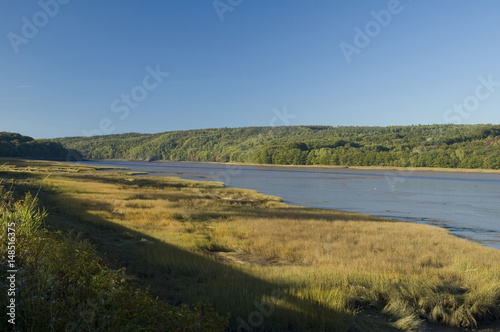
<point x="464" y="146"/>
<point x="16" y="145"/>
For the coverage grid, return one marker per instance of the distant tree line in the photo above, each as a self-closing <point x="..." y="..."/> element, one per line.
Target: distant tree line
<point x="463" y="146"/>
<point x="16" y="145"/>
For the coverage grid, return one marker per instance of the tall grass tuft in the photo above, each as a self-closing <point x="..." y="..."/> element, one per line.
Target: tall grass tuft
<point x="25" y="214"/>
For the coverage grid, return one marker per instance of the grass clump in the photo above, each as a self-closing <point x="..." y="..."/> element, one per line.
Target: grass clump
<point x="62" y="285"/>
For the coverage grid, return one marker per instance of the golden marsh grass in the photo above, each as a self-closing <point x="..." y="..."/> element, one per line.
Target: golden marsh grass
<point x="232" y="248"/>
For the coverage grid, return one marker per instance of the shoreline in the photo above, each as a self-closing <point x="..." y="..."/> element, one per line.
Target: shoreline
<point x="378" y="168"/>
<point x="431" y="174"/>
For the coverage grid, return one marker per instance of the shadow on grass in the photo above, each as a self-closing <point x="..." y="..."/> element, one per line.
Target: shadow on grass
<point x="177" y="275"/>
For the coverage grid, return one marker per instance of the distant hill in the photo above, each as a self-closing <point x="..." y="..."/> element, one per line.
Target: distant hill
<point x="17" y="145"/>
<point x="464" y="146"/>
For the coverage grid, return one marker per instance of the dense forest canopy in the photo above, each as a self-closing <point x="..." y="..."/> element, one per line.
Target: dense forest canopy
<point x="464" y="146"/>
<point x="16" y="145"/>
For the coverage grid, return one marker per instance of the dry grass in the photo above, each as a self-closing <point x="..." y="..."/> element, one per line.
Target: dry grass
<point x="333" y="267"/>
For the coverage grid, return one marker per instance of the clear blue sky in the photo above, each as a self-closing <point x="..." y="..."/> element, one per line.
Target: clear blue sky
<point x="244" y="64"/>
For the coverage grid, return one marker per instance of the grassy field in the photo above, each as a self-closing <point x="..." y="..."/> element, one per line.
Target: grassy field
<point x="269" y="265"/>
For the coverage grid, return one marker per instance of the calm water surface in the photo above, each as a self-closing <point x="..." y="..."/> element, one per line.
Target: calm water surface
<point x="465" y="203"/>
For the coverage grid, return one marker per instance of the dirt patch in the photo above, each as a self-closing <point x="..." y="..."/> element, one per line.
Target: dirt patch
<point x="246" y="258"/>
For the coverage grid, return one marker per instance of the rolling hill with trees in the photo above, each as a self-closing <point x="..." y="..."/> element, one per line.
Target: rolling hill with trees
<point x="19" y="146"/>
<point x="455" y="146"/>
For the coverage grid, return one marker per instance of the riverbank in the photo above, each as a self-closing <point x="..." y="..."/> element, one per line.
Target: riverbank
<point x="381" y="168"/>
<point x="240" y="250"/>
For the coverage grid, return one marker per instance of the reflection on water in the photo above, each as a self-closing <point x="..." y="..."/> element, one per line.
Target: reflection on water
<point x="464" y="203"/>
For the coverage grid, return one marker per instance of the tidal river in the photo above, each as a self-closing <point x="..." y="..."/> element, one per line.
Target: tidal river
<point x="467" y="204"/>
